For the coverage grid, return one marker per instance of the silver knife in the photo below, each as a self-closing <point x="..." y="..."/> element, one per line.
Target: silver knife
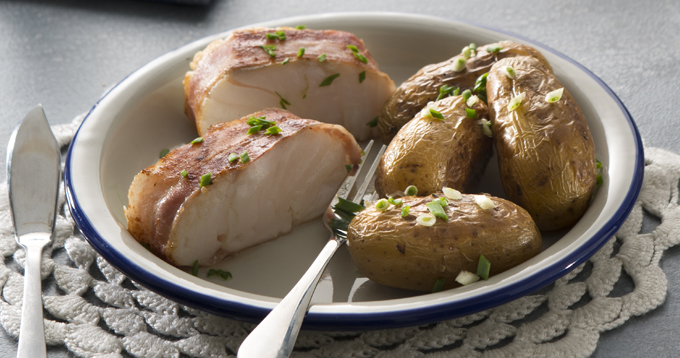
<point x="33" y="171"/>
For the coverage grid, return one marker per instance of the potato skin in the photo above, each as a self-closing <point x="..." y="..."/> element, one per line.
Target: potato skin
<point x="545" y="150"/>
<point x="397" y="252"/>
<point x="423" y="87"/>
<point x="431" y="153"/>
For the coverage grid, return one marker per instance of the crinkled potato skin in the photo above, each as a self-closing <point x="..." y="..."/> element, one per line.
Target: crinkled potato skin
<point x="431" y="153"/>
<point x="546" y="154"/>
<point x="396" y="251"/>
<point x="423" y="87"/>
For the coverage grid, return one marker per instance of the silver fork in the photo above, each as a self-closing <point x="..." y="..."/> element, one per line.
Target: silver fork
<point x="275" y="336"/>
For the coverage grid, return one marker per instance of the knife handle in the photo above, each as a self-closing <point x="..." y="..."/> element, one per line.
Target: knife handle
<point x="32" y="332"/>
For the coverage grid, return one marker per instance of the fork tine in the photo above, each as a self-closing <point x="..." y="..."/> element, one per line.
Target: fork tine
<point x="369" y="176"/>
<point x="348" y="184"/>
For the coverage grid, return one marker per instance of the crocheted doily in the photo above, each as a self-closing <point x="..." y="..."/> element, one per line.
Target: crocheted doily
<point x="95" y="311"/>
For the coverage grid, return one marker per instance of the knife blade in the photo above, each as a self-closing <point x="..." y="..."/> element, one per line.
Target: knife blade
<point x="33" y="172"/>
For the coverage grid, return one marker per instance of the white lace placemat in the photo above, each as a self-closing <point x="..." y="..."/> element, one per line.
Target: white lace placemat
<point x="95" y="311"/>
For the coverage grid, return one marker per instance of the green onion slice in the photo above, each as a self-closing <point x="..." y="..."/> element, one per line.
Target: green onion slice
<point x="271" y="36"/>
<point x="438" y="285"/>
<point x="225" y="275"/>
<point x="348" y="206"/>
<point x="194" y="268"/>
<point x="301" y="52"/>
<point x="281" y="35"/>
<point x="467" y="94"/>
<point x="599" y="179"/>
<point x="515" y="102"/>
<point x="509" y="72"/>
<point x="405" y="210"/>
<point x="470" y="113"/>
<point x="269" y="49"/>
<point x="395" y="202"/>
<point x="373" y="123"/>
<point x="466" y="52"/>
<point x="483" y="267"/>
<point x="362" y="76"/>
<point x="244" y="157"/>
<point x="480" y="83"/>
<point x="473" y="46"/>
<point x="254" y="129"/>
<point x="184" y="173"/>
<point x="164" y="152"/>
<point x="348" y="167"/>
<point x="472" y="101"/>
<point x="353" y="48"/>
<point x="598" y="164"/>
<point x="458" y="64"/>
<point x="554" y="96"/>
<point x="494" y="49"/>
<point x="484" y="202"/>
<point x="322" y="57"/>
<point x="444" y="201"/>
<point x="273" y="130"/>
<point x="466" y="277"/>
<point x="411" y="190"/>
<point x="197" y="140"/>
<point x="232" y="157"/>
<point x="382" y="205"/>
<point x="360" y="57"/>
<point x="456" y="91"/>
<point x="328" y="80"/>
<point x="436" y="114"/>
<point x="285" y="60"/>
<point x="300" y="27"/>
<point x="436" y="209"/>
<point x="426" y="220"/>
<point x="486" y="127"/>
<point x="206" y="179"/>
<point x="452" y="194"/>
<point x="444" y="90"/>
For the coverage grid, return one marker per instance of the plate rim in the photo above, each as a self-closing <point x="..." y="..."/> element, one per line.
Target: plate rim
<point x="380" y="319"/>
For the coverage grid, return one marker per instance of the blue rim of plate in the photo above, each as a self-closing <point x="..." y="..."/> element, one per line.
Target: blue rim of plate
<point x="375" y="320"/>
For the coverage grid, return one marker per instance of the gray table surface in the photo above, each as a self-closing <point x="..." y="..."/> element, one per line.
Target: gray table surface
<point x="65" y="54"/>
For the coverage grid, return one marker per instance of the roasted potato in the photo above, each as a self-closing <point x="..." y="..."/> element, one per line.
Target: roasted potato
<point x="423" y="87"/>
<point x="399" y="252"/>
<point x="546" y="154"/>
<point x="431" y="153"/>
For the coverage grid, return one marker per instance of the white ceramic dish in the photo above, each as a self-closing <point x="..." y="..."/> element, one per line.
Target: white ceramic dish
<point x="125" y="131"/>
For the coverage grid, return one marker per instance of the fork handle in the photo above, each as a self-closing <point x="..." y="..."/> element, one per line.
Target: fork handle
<point x="32" y="332"/>
<point x="275" y="335"/>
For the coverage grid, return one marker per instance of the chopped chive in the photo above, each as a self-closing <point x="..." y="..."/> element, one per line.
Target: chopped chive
<point x="281" y="35"/>
<point x="273" y="130"/>
<point x="373" y="123"/>
<point x="438" y="285"/>
<point x="301" y="52"/>
<point x="599" y="179"/>
<point x="467" y="94"/>
<point x="197" y="140"/>
<point x="360" y="57"/>
<point x="405" y="210"/>
<point x="244" y="157"/>
<point x="322" y="57"/>
<point x="436" y="114"/>
<point x="483" y="267"/>
<point x="269" y="49"/>
<point x="382" y="205"/>
<point x="353" y="48"/>
<point x="184" y="173"/>
<point x="285" y="60"/>
<point x="300" y="27"/>
<point x="436" y="209"/>
<point x="271" y="36"/>
<point x="146" y="246"/>
<point x="411" y="190"/>
<point x="348" y="206"/>
<point x="348" y="167"/>
<point x="194" y="268"/>
<point x="283" y="101"/>
<point x="470" y="113"/>
<point x="362" y="76"/>
<point x="206" y="179"/>
<point x="225" y="275"/>
<point x="394" y="202"/>
<point x="232" y="157"/>
<point x="458" y="65"/>
<point x="328" y="80"/>
<point x="164" y="152"/>
<point x="494" y="49"/>
<point x="254" y="129"/>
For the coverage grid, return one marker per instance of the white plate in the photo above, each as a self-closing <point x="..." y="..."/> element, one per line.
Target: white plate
<point x="125" y="131"/>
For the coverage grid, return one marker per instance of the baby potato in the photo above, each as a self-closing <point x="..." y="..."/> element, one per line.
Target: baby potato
<point x="546" y="154"/>
<point x="431" y="153"/>
<point x="399" y="252"/>
<point x="423" y="87"/>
